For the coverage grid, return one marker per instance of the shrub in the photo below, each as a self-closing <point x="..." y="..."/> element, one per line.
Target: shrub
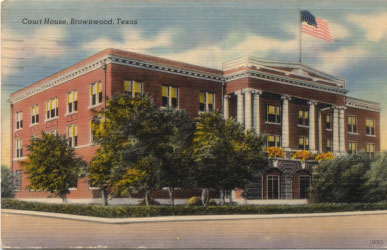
<point x="151" y="202"/>
<point x="376" y="184"/>
<point x="6" y="182"/>
<point x="211" y="202"/>
<point x="141" y="211"/>
<point x="194" y="201"/>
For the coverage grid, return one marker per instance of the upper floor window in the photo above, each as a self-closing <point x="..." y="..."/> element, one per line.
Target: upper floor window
<point x="370" y="127"/>
<point x="206" y="101"/>
<point x="169" y="96"/>
<point x="370" y="149"/>
<point x="35" y="114"/>
<point x="19" y="148"/>
<point x="327" y="122"/>
<point x="72" y="135"/>
<point x="133" y="88"/>
<point x="352" y="147"/>
<point x="329" y="145"/>
<point x="19" y="120"/>
<point x="273" y="114"/>
<point x="303" y="118"/>
<point x="95" y="93"/>
<point x="18" y="180"/>
<point x="352" y="124"/>
<point x="52" y="108"/>
<point x="274" y="141"/>
<point x="303" y="143"/>
<point x="72" y="101"/>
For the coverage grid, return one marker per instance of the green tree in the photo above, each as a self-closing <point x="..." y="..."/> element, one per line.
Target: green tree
<point x="376" y="184"/>
<point x="226" y="156"/>
<point x="340" y="180"/>
<point x="6" y="182"/>
<point x="175" y="157"/>
<point x="52" y="165"/>
<point x="130" y="132"/>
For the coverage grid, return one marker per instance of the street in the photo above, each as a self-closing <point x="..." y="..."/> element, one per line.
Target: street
<point x="360" y="231"/>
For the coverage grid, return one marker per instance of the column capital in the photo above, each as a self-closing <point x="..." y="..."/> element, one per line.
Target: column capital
<point x="226" y="96"/>
<point x="286" y="97"/>
<point x="312" y="102"/>
<point x="339" y="107"/>
<point x="252" y="91"/>
<point x="239" y="92"/>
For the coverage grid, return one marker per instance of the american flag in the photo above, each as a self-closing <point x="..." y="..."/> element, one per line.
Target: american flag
<point x="316" y="27"/>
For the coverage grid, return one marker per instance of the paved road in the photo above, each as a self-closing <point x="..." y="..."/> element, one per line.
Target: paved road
<point x="361" y="231"/>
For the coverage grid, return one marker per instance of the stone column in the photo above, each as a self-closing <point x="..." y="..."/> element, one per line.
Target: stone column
<point x="285" y="121"/>
<point x="312" y="126"/>
<point x="226" y="111"/>
<point x="335" y="130"/>
<point x="248" y="108"/>
<point x="240" y="108"/>
<point x="342" y="130"/>
<point x="256" y="111"/>
<point x="319" y="132"/>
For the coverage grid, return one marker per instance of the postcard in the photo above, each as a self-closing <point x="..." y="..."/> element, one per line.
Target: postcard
<point x="193" y="124"/>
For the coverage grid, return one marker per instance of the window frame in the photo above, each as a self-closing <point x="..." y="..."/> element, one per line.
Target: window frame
<point x="276" y="143"/>
<point x="328" y="149"/>
<point x="131" y="83"/>
<point x="169" y="97"/>
<point x="306" y="190"/>
<point x="19" y="148"/>
<point x="370" y="131"/>
<point x="17" y="183"/>
<point x="35" y="115"/>
<point x="302" y="121"/>
<point x="368" y="151"/>
<point x="349" y="144"/>
<point x="19" y="120"/>
<point x="73" y="104"/>
<point x="206" y="103"/>
<point x="328" y="124"/>
<point x="305" y="145"/>
<point x="276" y="115"/>
<point x="72" y="138"/>
<point x="352" y="127"/>
<point x="52" y="113"/>
<point x="98" y="94"/>
<point x="270" y="195"/>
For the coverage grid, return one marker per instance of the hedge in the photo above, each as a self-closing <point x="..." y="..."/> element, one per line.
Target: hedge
<point x="141" y="211"/>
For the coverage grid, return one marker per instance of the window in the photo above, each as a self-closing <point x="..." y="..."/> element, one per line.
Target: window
<point x="273" y="114"/>
<point x="352" y="124"/>
<point x="169" y="96"/>
<point x="303" y="143"/>
<point x="206" y="101"/>
<point x="72" y="101"/>
<point x="273" y="187"/>
<point x="52" y="108"/>
<point x="19" y="120"/>
<point x="133" y="88"/>
<point x="329" y="145"/>
<point x="91" y="140"/>
<point x="370" y="127"/>
<point x="303" y="118"/>
<point x="72" y="135"/>
<point x="95" y="94"/>
<point x="18" y="180"/>
<point x="352" y="147"/>
<point x="19" y="149"/>
<point x="370" y="149"/>
<point x="53" y="132"/>
<point x="274" y="141"/>
<point x="328" y="122"/>
<point x="304" y="185"/>
<point x="35" y="114"/>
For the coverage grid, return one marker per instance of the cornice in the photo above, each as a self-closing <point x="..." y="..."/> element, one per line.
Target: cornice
<point x="362" y="104"/>
<point x="283" y="80"/>
<point x="115" y="60"/>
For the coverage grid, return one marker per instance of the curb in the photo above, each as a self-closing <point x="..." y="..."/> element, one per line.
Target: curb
<point x="183" y="218"/>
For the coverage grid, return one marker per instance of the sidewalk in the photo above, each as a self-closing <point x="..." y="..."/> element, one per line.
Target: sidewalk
<point x="184" y="218"/>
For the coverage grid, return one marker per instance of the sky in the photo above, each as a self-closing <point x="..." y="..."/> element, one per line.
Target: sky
<point x="205" y="33"/>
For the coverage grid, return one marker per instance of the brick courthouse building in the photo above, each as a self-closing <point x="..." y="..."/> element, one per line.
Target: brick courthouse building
<point x="298" y="107"/>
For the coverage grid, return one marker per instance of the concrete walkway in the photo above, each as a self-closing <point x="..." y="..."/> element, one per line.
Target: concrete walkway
<point x="184" y="218"/>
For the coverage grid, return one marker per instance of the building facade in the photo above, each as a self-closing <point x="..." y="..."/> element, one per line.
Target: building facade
<point x="297" y="107"/>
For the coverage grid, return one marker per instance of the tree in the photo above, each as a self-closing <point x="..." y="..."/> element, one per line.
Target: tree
<point x="376" y="184"/>
<point x="6" y="182"/>
<point x="52" y="165"/>
<point x="175" y="156"/>
<point x="340" y="180"/>
<point x="226" y="156"/>
<point x="130" y="132"/>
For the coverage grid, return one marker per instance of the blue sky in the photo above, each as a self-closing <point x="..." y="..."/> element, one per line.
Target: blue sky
<point x="203" y="33"/>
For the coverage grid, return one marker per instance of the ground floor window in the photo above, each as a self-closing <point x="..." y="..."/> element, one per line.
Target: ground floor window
<point x="273" y="187"/>
<point x="304" y="185"/>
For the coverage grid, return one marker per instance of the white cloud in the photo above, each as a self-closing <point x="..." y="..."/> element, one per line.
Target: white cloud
<point x="133" y="41"/>
<point x="337" y="31"/>
<point x="375" y="25"/>
<point x="43" y="42"/>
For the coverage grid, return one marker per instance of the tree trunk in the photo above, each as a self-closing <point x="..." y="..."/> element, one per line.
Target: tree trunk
<point x="171" y="191"/>
<point x="64" y="198"/>
<point x="221" y="194"/>
<point x="104" y="197"/>
<point x="147" y="198"/>
<point x="230" y="196"/>
<point x="205" y="196"/>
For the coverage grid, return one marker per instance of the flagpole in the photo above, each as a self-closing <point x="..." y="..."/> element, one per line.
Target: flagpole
<point x="299" y="11"/>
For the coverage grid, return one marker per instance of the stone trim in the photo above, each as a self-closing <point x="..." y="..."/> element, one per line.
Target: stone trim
<point x="362" y="104"/>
